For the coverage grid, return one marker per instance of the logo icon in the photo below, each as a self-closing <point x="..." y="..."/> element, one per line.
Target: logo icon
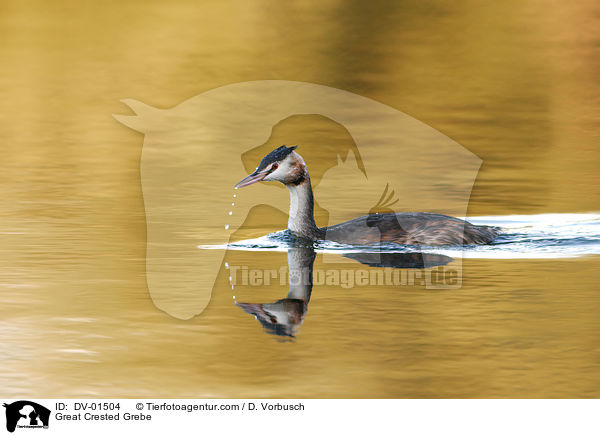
<point x="26" y="414"/>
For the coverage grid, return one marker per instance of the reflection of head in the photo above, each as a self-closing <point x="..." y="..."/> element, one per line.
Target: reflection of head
<point x="282" y="317"/>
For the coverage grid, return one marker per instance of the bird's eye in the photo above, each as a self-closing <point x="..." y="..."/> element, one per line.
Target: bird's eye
<point x="275" y="166"/>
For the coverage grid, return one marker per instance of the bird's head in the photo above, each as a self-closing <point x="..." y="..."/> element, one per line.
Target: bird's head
<point x="282" y="164"/>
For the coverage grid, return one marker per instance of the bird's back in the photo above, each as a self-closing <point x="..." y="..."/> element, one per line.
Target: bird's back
<point x="410" y="229"/>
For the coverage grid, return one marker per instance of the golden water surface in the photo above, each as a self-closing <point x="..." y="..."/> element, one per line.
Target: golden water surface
<point x="514" y="82"/>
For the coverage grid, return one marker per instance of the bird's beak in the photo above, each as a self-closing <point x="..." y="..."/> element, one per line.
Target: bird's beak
<point x="252" y="178"/>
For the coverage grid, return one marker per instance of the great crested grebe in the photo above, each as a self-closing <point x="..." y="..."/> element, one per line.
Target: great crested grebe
<point x="286" y="166"/>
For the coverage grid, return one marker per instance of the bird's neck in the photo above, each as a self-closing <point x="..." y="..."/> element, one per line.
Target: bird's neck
<point x="300" y="264"/>
<point x="302" y="221"/>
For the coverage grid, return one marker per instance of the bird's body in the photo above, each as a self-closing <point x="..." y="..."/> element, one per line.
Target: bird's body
<point x="411" y="229"/>
<point x="288" y="167"/>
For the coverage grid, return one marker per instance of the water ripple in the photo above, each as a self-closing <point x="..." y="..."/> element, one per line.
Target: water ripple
<point x="553" y="235"/>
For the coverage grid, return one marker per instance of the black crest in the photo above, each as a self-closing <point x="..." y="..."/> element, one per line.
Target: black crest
<point x="276" y="155"/>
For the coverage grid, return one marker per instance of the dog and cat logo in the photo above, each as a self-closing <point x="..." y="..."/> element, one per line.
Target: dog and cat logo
<point x="26" y="414"/>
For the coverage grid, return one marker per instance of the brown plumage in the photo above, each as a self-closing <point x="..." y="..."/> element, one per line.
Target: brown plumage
<point x="411" y="229"/>
<point x="286" y="166"/>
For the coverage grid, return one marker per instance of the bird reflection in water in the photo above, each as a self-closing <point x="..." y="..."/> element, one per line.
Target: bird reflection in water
<point x="284" y="316"/>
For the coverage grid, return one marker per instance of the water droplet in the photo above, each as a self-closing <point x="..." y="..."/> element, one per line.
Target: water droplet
<point x="234" y="297"/>
<point x="226" y="265"/>
<point x="227" y="226"/>
<point x="233" y="203"/>
<point x="232" y="287"/>
<point x="230" y="279"/>
<point x="234" y="196"/>
<point x="230" y="213"/>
